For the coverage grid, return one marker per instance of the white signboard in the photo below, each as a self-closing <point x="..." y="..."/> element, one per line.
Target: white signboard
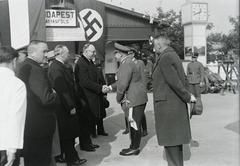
<point x="65" y="34"/>
<point x="60" y="17"/>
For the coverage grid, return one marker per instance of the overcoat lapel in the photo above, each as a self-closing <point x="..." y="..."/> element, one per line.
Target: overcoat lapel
<point x="168" y="49"/>
<point x="90" y="64"/>
<point x="64" y="69"/>
<point x="156" y="64"/>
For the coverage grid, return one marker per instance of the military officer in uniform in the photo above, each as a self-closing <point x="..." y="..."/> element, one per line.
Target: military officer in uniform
<point x="195" y="74"/>
<point x="142" y="68"/>
<point x="131" y="93"/>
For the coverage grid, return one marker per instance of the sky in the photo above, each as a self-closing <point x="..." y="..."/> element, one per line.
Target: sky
<point x="219" y="10"/>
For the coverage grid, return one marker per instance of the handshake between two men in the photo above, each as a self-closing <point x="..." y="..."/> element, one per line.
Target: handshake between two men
<point x="106" y="88"/>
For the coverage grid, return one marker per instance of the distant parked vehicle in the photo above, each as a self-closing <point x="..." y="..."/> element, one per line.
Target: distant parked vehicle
<point x="213" y="83"/>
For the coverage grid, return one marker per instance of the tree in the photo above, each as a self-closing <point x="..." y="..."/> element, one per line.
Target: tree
<point x="233" y="37"/>
<point x="228" y="42"/>
<point x="170" y="24"/>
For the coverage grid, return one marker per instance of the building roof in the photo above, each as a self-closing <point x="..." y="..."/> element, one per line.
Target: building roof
<point x="131" y="12"/>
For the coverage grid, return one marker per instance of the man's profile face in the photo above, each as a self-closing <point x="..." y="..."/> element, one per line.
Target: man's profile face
<point x="40" y="53"/>
<point x="65" y="54"/>
<point x="90" y="52"/>
<point x="157" y="46"/>
<point x="118" y="56"/>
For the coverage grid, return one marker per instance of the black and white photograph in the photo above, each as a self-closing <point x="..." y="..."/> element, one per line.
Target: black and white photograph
<point x="119" y="83"/>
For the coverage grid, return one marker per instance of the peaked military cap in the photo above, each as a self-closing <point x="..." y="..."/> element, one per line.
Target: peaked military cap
<point x="195" y="54"/>
<point x="121" y="48"/>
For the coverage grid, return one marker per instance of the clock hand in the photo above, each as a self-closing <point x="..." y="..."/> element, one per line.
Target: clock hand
<point x="197" y="13"/>
<point x="200" y="11"/>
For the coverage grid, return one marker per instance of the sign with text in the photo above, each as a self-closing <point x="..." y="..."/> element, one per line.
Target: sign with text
<point x="60" y="17"/>
<point x="65" y="34"/>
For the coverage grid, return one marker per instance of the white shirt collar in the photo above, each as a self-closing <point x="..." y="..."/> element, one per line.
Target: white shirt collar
<point x="59" y="60"/>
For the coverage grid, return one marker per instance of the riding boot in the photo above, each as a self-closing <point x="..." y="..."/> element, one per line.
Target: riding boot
<point x="144" y="125"/>
<point x="135" y="138"/>
<point x="126" y="130"/>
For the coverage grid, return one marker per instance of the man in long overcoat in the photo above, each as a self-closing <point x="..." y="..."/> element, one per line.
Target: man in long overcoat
<point x="41" y="100"/>
<point x="170" y="98"/>
<point x="63" y="83"/>
<point x="89" y="89"/>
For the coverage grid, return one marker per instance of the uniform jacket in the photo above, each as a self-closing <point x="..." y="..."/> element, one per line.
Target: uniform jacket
<point x="62" y="81"/>
<point x="88" y="88"/>
<point x="170" y="97"/>
<point x="40" y="118"/>
<point x="129" y="83"/>
<point x="13" y="105"/>
<point x="195" y="72"/>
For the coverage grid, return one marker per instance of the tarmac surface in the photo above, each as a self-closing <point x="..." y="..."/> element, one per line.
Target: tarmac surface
<point x="215" y="136"/>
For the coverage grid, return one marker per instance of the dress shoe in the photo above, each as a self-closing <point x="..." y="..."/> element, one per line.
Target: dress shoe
<point x="124" y="150"/>
<point x="94" y="136"/>
<point x="130" y="152"/>
<point x="103" y="134"/>
<point x="76" y="163"/>
<point x="144" y="133"/>
<point x="60" y="160"/>
<point x="88" y="148"/>
<point x="125" y="132"/>
<point x="94" y="146"/>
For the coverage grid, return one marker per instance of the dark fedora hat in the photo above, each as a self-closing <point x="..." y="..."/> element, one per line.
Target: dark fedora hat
<point x="106" y="103"/>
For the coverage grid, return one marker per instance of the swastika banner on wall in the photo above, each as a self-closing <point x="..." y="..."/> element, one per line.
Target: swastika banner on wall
<point x="92" y="15"/>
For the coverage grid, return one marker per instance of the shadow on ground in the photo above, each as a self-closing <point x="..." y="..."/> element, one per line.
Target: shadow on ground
<point x="234" y="126"/>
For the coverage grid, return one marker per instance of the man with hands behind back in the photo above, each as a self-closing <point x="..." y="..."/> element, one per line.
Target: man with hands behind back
<point x="170" y="96"/>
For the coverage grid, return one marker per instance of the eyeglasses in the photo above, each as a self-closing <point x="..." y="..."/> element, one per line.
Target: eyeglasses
<point x="94" y="52"/>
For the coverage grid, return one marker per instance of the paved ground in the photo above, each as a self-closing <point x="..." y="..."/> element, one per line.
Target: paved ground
<point x="215" y="132"/>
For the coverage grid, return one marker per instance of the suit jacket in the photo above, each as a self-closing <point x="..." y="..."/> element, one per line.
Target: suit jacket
<point x="195" y="72"/>
<point x="88" y="87"/>
<point x="129" y="83"/>
<point x="170" y="97"/>
<point x="40" y="117"/>
<point x="62" y="81"/>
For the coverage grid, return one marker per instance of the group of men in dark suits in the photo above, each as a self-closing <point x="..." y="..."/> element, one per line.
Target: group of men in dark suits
<point x="56" y="97"/>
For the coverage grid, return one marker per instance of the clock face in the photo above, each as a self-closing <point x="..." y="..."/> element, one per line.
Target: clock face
<point x="199" y="12"/>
